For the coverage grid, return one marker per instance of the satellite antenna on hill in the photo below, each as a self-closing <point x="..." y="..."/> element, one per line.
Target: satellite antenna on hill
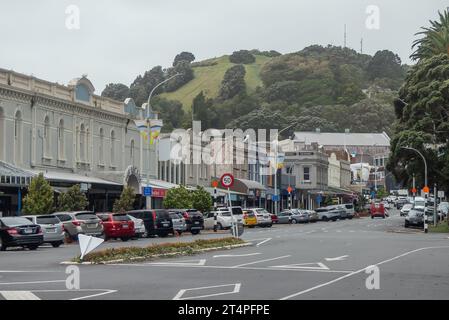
<point x="361" y="46"/>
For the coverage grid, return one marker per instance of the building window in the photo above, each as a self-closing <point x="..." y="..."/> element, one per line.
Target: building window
<point x="82" y="93"/>
<point x="81" y="141"/>
<point x="101" y="147"/>
<point x="47" y="137"/>
<point x="18" y="137"/>
<point x="61" y="151"/>
<point x="112" y="148"/>
<point x="131" y="152"/>
<point x="306" y="171"/>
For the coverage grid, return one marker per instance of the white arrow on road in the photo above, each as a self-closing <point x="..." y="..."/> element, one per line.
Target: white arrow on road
<point x="337" y="258"/>
<point x="236" y="255"/>
<point x="308" y="266"/>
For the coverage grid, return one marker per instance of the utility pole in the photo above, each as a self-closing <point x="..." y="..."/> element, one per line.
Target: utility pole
<point x="435" y="205"/>
<point x="361" y="46"/>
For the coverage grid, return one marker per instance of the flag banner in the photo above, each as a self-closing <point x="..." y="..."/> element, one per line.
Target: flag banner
<point x="155" y="129"/>
<point x="142" y="127"/>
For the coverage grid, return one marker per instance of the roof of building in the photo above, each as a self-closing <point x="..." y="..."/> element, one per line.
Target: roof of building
<point x="72" y="177"/>
<point x="348" y="139"/>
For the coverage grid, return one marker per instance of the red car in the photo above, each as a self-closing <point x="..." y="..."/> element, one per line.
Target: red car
<point x="274" y="218"/>
<point x="378" y="210"/>
<point x="117" y="225"/>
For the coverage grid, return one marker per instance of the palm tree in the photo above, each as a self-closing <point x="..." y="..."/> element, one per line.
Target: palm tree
<point x="435" y="39"/>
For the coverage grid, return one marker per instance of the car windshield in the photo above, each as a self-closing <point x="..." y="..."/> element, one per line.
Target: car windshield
<point x="47" y="220"/>
<point x="15" y="221"/>
<point x="408" y="206"/>
<point x="414" y="213"/>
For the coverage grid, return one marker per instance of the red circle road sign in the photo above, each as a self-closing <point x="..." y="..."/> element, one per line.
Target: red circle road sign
<point x="227" y="180"/>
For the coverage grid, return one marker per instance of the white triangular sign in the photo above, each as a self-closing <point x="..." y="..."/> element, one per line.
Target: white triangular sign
<point x="88" y="243"/>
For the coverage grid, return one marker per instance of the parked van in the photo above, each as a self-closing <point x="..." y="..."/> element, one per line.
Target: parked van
<point x="157" y="221"/>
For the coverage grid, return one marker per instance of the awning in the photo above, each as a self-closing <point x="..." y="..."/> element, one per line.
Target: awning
<point x="56" y="176"/>
<point x="14" y="176"/>
<point x="154" y="183"/>
<point x="250" y="184"/>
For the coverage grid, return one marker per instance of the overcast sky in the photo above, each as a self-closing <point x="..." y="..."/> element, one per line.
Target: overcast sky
<point x="119" y="39"/>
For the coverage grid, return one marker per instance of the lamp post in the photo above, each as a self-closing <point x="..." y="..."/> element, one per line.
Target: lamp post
<point x="425" y="181"/>
<point x="148" y="118"/>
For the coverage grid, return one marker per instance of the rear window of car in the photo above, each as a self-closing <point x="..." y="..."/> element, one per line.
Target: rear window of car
<point x="120" y="217"/>
<point x="15" y="221"/>
<point x="349" y="206"/>
<point x="162" y="214"/>
<point x="321" y="210"/>
<point x="262" y="211"/>
<point x="64" y="217"/>
<point x="174" y="215"/>
<point x="225" y="214"/>
<point x="47" y="220"/>
<point x="86" y="216"/>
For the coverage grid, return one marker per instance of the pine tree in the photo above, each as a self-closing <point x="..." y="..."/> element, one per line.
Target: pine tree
<point x="72" y="200"/>
<point x="126" y="201"/>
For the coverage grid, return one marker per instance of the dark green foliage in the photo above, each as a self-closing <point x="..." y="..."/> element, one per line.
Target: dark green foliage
<point x="385" y="64"/>
<point x="270" y="54"/>
<point x="72" y="200"/>
<point x="141" y="87"/>
<point x="116" y="91"/>
<point x="242" y="57"/>
<point x="233" y="82"/>
<point x="186" y="74"/>
<point x="184" y="56"/>
<point x="201" y="199"/>
<point x="170" y="111"/>
<point x="126" y="200"/>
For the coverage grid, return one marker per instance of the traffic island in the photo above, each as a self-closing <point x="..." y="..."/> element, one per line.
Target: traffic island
<point x="440" y="228"/>
<point x="155" y="251"/>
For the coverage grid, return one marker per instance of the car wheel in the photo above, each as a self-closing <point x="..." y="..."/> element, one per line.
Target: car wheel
<point x="163" y="235"/>
<point x="124" y="239"/>
<point x="33" y="247"/>
<point x="220" y="226"/>
<point x="195" y="232"/>
<point x="2" y="245"/>
<point x="372" y="217"/>
<point x="56" y="244"/>
<point x="325" y="218"/>
<point x="294" y="221"/>
<point x="270" y="225"/>
<point x="405" y="225"/>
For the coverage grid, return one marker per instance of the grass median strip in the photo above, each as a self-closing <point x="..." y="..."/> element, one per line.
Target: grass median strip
<point x="129" y="254"/>
<point x="440" y="228"/>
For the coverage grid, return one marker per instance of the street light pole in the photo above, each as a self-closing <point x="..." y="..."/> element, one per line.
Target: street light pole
<point x="148" y="118"/>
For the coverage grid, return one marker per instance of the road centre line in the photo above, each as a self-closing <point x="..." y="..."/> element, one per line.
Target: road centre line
<point x="32" y="282"/>
<point x="359" y="271"/>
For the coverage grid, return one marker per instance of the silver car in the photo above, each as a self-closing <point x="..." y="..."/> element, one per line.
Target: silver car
<point x="293" y="216"/>
<point x="179" y="223"/>
<point x="84" y="222"/>
<point x="263" y="217"/>
<point x="139" y="227"/>
<point x="52" y="228"/>
<point x="326" y="214"/>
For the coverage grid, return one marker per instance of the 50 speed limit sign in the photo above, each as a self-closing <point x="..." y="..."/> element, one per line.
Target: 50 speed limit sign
<point x="227" y="180"/>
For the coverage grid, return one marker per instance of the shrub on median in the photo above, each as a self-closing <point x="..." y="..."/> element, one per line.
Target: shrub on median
<point x="144" y="253"/>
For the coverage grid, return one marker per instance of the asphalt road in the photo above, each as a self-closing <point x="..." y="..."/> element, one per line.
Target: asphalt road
<point x="325" y="260"/>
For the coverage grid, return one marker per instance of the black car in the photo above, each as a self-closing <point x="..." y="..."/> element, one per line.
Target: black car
<point x="194" y="219"/>
<point x="414" y="218"/>
<point x="157" y="221"/>
<point x="19" y="232"/>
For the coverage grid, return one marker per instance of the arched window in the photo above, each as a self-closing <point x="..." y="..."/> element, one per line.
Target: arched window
<point x="47" y="151"/>
<point x="131" y="152"/>
<point x="112" y="147"/>
<point x="101" y="147"/>
<point x="61" y="151"/>
<point x="18" y="137"/>
<point x="82" y="142"/>
<point x="2" y="134"/>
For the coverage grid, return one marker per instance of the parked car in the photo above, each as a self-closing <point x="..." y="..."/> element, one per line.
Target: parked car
<point x="193" y="218"/>
<point x="84" y="222"/>
<point x="350" y="210"/>
<point x="415" y="217"/>
<point x="117" y="226"/>
<point x="293" y="216"/>
<point x="326" y="214"/>
<point x="378" y="210"/>
<point x="443" y="207"/>
<point x="405" y="209"/>
<point x="20" y="232"/>
<point x="52" y="228"/>
<point x="157" y="221"/>
<point x="224" y="219"/>
<point x="179" y="223"/>
<point x="250" y="220"/>
<point x="263" y="217"/>
<point x="341" y="209"/>
<point x="386" y="204"/>
<point x="313" y="216"/>
<point x="401" y="201"/>
<point x="139" y="227"/>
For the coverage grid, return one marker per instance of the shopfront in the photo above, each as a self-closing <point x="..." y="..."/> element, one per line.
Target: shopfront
<point x="13" y="184"/>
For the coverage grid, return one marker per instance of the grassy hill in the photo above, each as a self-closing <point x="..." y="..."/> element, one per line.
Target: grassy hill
<point x="208" y="77"/>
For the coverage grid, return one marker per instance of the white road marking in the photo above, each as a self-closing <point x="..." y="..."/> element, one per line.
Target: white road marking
<point x="236" y="255"/>
<point x="309" y="266"/>
<point x="200" y="262"/>
<point x="266" y="240"/>
<point x="181" y="292"/>
<point x="19" y="295"/>
<point x="337" y="258"/>
<point x="359" y="271"/>
<point x="258" y="261"/>
<point x="32" y="282"/>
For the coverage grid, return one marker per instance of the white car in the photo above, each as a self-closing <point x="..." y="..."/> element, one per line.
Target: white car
<point x="406" y="209"/>
<point x="224" y="220"/>
<point x="139" y="227"/>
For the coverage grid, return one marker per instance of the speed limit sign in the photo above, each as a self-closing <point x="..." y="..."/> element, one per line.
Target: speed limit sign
<point x="227" y="180"/>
